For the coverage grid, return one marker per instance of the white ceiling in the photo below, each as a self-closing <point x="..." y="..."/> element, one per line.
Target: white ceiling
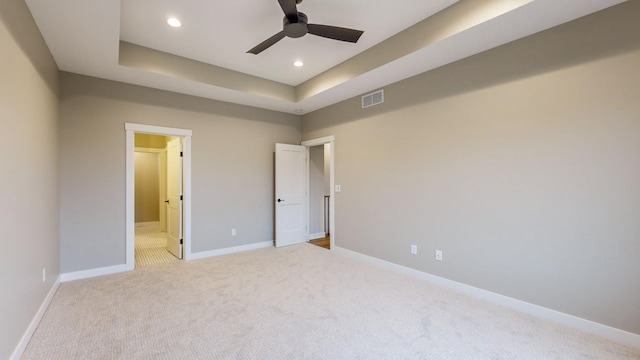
<point x="84" y="37"/>
<point x="221" y="32"/>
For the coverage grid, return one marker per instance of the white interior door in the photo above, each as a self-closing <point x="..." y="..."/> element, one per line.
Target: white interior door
<point x="174" y="194"/>
<point x="163" y="190"/>
<point x="291" y="196"/>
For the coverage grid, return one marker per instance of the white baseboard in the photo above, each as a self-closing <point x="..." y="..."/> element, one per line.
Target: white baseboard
<point x="24" y="341"/>
<point x="230" y="250"/>
<point x="607" y="332"/>
<point x="318" y="235"/>
<point x="85" y="274"/>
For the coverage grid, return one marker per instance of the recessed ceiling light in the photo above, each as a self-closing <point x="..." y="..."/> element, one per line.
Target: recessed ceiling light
<point x="174" y="22"/>
<point x="298" y="63"/>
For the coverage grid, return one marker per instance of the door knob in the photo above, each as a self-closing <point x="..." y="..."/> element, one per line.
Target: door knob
<point x="167" y="201"/>
<point x="279" y="200"/>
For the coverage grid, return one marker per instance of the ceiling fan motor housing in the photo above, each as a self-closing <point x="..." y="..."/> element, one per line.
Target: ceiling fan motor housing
<point x="296" y="24"/>
<point x="297" y="29"/>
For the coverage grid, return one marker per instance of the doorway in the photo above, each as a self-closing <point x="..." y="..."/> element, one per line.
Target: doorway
<point x="327" y="144"/>
<point x="158" y="172"/>
<point x="292" y="196"/>
<point x="319" y="195"/>
<point x="177" y="232"/>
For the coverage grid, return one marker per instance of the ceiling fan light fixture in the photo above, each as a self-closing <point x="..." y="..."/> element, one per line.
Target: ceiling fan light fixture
<point x="296" y="24"/>
<point x="174" y="22"/>
<point x="298" y="63"/>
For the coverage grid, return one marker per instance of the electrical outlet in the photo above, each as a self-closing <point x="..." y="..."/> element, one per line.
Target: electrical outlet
<point x="414" y="249"/>
<point x="44" y="274"/>
<point x="439" y="255"/>
<point x="233" y="232"/>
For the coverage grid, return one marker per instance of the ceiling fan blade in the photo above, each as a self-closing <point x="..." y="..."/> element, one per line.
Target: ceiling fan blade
<point x="290" y="9"/>
<point x="267" y="43"/>
<point x="334" y="32"/>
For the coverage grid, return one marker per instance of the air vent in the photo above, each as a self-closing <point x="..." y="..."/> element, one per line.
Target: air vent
<point x="374" y="98"/>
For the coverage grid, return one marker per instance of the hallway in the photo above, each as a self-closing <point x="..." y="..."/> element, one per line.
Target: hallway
<point x="324" y="242"/>
<point x="151" y="245"/>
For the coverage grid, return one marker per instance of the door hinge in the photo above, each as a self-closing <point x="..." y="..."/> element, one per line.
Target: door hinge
<point x="180" y="197"/>
<point x="180" y="241"/>
<point x="180" y="153"/>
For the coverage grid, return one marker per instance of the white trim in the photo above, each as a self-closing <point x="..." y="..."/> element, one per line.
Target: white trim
<point x="307" y="192"/>
<point x="607" y="332"/>
<point x="26" y="337"/>
<point x="231" y="250"/>
<point x="318" y="141"/>
<point x="85" y="274"/>
<point x="332" y="199"/>
<point x="156" y="130"/>
<point x="186" y="194"/>
<point x="130" y="171"/>
<point x="130" y="129"/>
<point x="318" y="235"/>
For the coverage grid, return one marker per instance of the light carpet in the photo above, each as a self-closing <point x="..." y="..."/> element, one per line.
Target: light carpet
<point x="298" y="302"/>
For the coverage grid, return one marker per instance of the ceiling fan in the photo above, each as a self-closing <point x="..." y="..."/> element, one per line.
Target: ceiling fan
<point x="295" y="24"/>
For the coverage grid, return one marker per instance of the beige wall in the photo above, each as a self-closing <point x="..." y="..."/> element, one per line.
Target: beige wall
<point x="232" y="166"/>
<point x="150" y="141"/>
<point x="29" y="179"/>
<point x="147" y="187"/>
<point x="522" y="164"/>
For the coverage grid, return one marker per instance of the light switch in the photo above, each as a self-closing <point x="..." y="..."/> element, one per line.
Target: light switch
<point x="338" y="188"/>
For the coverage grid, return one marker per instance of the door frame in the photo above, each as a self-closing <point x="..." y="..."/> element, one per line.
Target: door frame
<point x="130" y="130"/>
<point x="317" y="142"/>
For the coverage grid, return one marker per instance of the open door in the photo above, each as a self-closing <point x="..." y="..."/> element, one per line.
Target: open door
<point x="291" y="196"/>
<point x="174" y="197"/>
